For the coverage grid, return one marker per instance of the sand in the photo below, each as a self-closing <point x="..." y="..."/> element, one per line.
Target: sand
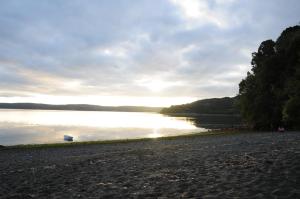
<point x="247" y="165"/>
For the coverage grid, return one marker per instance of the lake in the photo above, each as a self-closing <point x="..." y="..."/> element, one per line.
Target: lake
<point x="49" y="126"/>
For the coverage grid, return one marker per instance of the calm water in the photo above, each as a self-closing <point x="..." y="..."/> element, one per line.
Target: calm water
<point x="47" y="126"/>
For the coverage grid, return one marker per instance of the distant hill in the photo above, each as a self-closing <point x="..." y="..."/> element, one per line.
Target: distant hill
<point x="78" y="107"/>
<point x="224" y="105"/>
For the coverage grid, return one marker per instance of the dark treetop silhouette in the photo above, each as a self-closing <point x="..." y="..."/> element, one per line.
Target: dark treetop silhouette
<point x="270" y="94"/>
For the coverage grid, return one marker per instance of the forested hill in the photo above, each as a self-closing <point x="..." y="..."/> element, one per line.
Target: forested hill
<point x="224" y="105"/>
<point x="78" y="107"/>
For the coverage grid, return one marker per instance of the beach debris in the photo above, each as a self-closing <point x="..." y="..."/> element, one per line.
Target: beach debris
<point x="50" y="167"/>
<point x="68" y="138"/>
<point x="104" y="184"/>
<point x="33" y="173"/>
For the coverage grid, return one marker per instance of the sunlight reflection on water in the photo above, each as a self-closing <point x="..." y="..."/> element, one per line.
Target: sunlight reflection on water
<point x="47" y="126"/>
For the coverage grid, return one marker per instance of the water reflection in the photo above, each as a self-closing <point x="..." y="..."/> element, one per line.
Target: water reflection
<point x="43" y="126"/>
<point x="93" y="119"/>
<point x="216" y="121"/>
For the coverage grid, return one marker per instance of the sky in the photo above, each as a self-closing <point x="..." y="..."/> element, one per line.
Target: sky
<point x="132" y="52"/>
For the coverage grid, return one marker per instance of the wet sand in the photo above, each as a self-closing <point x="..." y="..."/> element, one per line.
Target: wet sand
<point x="247" y="165"/>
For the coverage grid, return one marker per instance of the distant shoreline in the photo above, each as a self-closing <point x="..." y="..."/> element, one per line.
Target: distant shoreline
<point x="200" y="114"/>
<point x="78" y="107"/>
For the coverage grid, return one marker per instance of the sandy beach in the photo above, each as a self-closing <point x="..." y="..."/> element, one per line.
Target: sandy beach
<point x="246" y="165"/>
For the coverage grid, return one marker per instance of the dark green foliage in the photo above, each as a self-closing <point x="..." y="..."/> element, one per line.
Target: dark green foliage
<point x="291" y="113"/>
<point x="224" y="105"/>
<point x="269" y="95"/>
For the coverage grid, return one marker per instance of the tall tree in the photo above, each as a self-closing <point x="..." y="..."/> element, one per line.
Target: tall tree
<point x="269" y="95"/>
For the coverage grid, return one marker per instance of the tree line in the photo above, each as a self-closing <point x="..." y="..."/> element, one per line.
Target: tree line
<point x="226" y="105"/>
<point x="269" y="96"/>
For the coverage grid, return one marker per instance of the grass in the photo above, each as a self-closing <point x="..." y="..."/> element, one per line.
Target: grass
<point x="121" y="141"/>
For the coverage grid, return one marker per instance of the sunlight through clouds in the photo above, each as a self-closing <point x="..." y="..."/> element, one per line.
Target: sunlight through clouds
<point x="145" y="53"/>
<point x="198" y="12"/>
<point x="156" y="85"/>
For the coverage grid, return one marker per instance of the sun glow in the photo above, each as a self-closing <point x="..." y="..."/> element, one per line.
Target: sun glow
<point x="96" y="119"/>
<point x="190" y="7"/>
<point x="198" y="12"/>
<point x="157" y="85"/>
<point x="49" y="126"/>
<point x="155" y="134"/>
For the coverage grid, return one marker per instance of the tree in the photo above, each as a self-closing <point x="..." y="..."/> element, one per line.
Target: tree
<point x="269" y="94"/>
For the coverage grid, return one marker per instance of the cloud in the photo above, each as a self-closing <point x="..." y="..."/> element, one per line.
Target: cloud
<point x="196" y="13"/>
<point x="188" y="48"/>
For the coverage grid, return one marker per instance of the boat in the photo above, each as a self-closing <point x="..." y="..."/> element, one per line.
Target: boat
<point x="68" y="138"/>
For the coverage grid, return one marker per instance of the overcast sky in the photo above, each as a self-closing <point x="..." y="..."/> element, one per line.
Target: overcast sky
<point x="132" y="52"/>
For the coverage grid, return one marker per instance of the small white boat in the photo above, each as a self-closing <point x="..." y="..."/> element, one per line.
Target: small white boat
<point x="68" y="138"/>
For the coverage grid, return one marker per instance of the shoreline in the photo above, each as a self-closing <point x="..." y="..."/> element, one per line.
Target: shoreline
<point x="123" y="141"/>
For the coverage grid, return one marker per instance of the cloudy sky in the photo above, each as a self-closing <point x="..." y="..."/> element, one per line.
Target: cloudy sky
<point x="132" y="52"/>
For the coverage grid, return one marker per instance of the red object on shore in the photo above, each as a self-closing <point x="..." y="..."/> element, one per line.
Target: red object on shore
<point x="281" y="129"/>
